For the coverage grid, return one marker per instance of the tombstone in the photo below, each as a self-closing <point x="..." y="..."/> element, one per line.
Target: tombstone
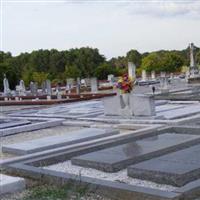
<point x="193" y="67"/>
<point x="153" y="75"/>
<point x="58" y="92"/>
<point x="78" y="86"/>
<point x="69" y="86"/>
<point x="94" y="86"/>
<point x="162" y="74"/>
<point x="6" y="86"/>
<point x="48" y="88"/>
<point x="142" y="105"/>
<point x="34" y="88"/>
<point x="111" y="79"/>
<point x="144" y="75"/>
<point x="131" y="70"/>
<point x="22" y="91"/>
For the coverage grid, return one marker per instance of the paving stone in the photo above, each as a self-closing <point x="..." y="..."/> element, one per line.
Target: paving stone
<point x="119" y="157"/>
<point x="57" y="141"/>
<point x="176" y="168"/>
<point x="9" y="184"/>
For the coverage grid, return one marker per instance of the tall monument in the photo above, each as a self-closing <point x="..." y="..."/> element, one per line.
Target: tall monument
<point x="6" y="86"/>
<point x="193" y="67"/>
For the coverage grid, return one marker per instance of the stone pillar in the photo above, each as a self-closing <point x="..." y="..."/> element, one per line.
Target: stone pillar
<point x="94" y="86"/>
<point x="131" y="70"/>
<point x="153" y="75"/>
<point x="78" y="86"/>
<point x="144" y="75"/>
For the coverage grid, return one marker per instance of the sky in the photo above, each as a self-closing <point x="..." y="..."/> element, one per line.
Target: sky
<point x="112" y="26"/>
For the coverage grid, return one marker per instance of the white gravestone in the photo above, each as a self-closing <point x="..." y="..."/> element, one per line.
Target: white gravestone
<point x="94" y="86"/>
<point x="153" y="75"/>
<point x="131" y="70"/>
<point x="144" y="75"/>
<point x="142" y="105"/>
<point x="6" y="86"/>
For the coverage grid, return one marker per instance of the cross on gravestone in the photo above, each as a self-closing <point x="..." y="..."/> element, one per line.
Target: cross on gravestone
<point x="94" y="86"/>
<point x="6" y="86"/>
<point x="131" y="70"/>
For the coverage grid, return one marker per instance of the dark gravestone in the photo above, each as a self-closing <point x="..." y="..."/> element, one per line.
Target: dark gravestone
<point x="175" y="169"/>
<point x="119" y="157"/>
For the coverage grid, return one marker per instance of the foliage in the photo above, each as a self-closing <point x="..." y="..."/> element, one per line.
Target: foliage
<point x="40" y="77"/>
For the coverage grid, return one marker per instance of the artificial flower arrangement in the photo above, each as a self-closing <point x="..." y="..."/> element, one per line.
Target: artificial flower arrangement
<point x="125" y="84"/>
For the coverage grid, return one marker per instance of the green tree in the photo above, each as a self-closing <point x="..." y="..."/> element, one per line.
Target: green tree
<point x="72" y="72"/>
<point x="39" y="77"/>
<point x="134" y="56"/>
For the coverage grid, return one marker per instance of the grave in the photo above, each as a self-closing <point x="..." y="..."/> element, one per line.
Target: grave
<point x="12" y="123"/>
<point x="57" y="141"/>
<point x="177" y="169"/>
<point x="9" y="184"/>
<point x="119" y="157"/>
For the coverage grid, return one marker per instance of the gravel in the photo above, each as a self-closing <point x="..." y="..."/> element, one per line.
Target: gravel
<point x="120" y="176"/>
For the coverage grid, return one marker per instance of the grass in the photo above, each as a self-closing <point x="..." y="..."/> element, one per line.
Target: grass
<point x="65" y="192"/>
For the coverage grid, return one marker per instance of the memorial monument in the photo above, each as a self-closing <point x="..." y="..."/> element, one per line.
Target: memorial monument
<point x="6" y="86"/>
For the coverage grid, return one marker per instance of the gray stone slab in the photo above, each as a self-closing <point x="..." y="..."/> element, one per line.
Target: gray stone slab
<point x="57" y="141"/>
<point x="9" y="184"/>
<point x="119" y="157"/>
<point x="13" y="123"/>
<point x="176" y="168"/>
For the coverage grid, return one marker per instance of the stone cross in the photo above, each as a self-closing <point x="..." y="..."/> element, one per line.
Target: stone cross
<point x="131" y="70"/>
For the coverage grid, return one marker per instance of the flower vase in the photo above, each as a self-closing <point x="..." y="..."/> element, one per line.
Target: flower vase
<point x="125" y="98"/>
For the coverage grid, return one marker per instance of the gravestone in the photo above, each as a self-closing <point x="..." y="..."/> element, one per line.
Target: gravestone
<point x="119" y="157"/>
<point x="142" y="105"/>
<point x="193" y="67"/>
<point x="131" y="70"/>
<point x="6" y="87"/>
<point x="94" y="85"/>
<point x="22" y="91"/>
<point x="48" y="88"/>
<point x="144" y="75"/>
<point x="153" y="75"/>
<point x="78" y="86"/>
<point x="69" y="86"/>
<point x="175" y="169"/>
<point x="57" y="141"/>
<point x="34" y="88"/>
<point x="58" y="92"/>
<point x="111" y="79"/>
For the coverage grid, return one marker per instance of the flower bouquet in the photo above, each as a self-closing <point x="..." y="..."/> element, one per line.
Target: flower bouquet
<point x="125" y="84"/>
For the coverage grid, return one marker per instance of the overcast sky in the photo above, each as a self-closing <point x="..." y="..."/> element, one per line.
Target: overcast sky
<point x="112" y="26"/>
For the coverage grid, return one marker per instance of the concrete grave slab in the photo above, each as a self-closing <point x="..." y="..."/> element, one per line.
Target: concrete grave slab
<point x="119" y="157"/>
<point x="57" y="141"/>
<point x="12" y="123"/>
<point x="9" y="184"/>
<point x="176" y="168"/>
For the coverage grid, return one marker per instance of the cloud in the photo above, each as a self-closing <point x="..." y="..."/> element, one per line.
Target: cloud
<point x="164" y="8"/>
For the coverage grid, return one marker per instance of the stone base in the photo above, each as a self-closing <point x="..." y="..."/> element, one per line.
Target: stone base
<point x="9" y="184"/>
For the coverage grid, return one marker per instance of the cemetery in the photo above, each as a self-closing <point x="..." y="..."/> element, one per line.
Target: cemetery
<point x="123" y="141"/>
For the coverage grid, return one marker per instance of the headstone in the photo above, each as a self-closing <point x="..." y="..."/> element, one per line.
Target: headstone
<point x="69" y="86"/>
<point x="22" y="91"/>
<point x="48" y="88"/>
<point x="142" y="105"/>
<point x="58" y="92"/>
<point x="153" y="75"/>
<point x="94" y="85"/>
<point x="78" y="86"/>
<point x="6" y="86"/>
<point x="193" y="67"/>
<point x="175" y="169"/>
<point x="34" y="88"/>
<point x="50" y="142"/>
<point x="131" y="70"/>
<point x="144" y="75"/>
<point x="111" y="79"/>
<point x="119" y="157"/>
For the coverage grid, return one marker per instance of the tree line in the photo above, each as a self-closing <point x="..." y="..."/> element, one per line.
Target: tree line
<point x="85" y="62"/>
